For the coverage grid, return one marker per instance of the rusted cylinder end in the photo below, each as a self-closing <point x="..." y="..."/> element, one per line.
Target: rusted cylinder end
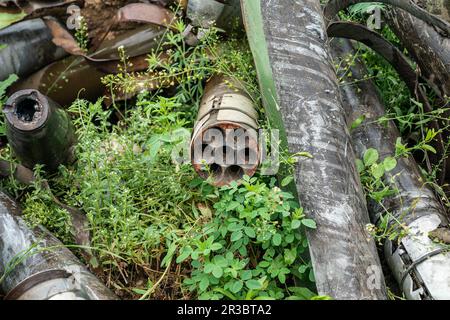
<point x="38" y="131"/>
<point x="34" y="265"/>
<point x="224" y="144"/>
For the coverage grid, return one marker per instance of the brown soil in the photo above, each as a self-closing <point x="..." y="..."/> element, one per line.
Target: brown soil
<point x="99" y="13"/>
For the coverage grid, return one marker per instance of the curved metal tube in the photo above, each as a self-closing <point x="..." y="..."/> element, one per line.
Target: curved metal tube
<point x="426" y="46"/>
<point x="375" y="41"/>
<point x="334" y="6"/>
<point x="29" y="47"/>
<point x="421" y="267"/>
<point x="34" y="265"/>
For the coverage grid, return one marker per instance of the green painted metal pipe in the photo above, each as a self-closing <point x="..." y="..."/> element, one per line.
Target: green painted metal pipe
<point x="38" y="130"/>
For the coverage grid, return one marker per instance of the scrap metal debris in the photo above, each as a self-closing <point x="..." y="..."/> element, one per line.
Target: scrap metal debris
<point x="36" y="266"/>
<point x="19" y="40"/>
<point x="224" y="143"/>
<point x="38" y="130"/>
<point x="301" y="99"/>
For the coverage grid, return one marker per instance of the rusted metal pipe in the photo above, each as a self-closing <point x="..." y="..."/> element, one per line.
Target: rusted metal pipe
<point x="333" y="7"/>
<point x="38" y="131"/>
<point x="421" y="267"/>
<point x="28" y="48"/>
<point x="64" y="81"/>
<point x="34" y="265"/>
<point x="225" y="141"/>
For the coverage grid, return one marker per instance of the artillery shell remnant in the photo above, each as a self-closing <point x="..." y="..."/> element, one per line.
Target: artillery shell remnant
<point x="38" y="131"/>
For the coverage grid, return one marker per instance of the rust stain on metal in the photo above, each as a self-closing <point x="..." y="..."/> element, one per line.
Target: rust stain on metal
<point x="145" y="12"/>
<point x="224" y="145"/>
<point x="63" y="38"/>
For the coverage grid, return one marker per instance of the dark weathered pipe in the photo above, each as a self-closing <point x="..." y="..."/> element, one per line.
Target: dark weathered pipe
<point x="299" y="84"/>
<point x="28" y="48"/>
<point x="225" y="140"/>
<point x="38" y="130"/>
<point x="64" y="81"/>
<point x="429" y="48"/>
<point x="34" y="265"/>
<point x="415" y="205"/>
<point x="399" y="62"/>
<point x="334" y="6"/>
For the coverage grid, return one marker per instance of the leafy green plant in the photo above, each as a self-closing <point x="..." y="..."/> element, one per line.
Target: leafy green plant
<point x="155" y="224"/>
<point x="378" y="188"/>
<point x="3" y="87"/>
<point x="362" y="9"/>
<point x="82" y="34"/>
<point x="252" y="247"/>
<point x="7" y="19"/>
<point x="372" y="172"/>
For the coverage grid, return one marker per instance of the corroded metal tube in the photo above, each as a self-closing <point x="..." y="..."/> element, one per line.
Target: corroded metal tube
<point x="38" y="131"/>
<point x="420" y="266"/>
<point x="28" y="48"/>
<point x="225" y="140"/>
<point x="34" y="265"/>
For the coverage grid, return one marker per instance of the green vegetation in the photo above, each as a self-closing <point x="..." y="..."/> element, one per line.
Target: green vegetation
<point x="7" y="19"/>
<point x="263" y="225"/>
<point x="158" y="231"/>
<point x="3" y="87"/>
<point x="82" y="34"/>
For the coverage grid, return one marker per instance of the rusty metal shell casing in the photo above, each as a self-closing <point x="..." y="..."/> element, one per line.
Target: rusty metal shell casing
<point x="34" y="265"/>
<point x="225" y="140"/>
<point x="38" y="131"/>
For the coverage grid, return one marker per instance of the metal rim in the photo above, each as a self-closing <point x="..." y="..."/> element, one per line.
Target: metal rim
<point x="35" y="280"/>
<point x="39" y="118"/>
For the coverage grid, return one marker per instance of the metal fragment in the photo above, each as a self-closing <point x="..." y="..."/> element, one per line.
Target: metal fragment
<point x="224" y="144"/>
<point x="38" y="130"/>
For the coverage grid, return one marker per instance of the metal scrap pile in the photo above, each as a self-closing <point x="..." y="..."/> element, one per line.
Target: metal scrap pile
<point x="302" y="99"/>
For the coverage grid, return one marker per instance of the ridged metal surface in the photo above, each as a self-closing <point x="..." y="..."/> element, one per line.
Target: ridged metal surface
<point x="225" y="135"/>
<point x="34" y="265"/>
